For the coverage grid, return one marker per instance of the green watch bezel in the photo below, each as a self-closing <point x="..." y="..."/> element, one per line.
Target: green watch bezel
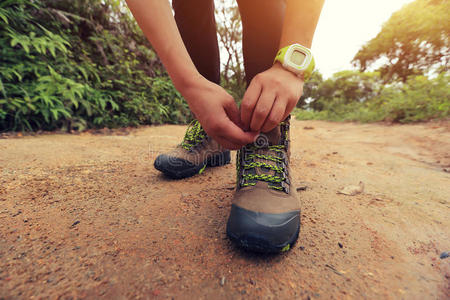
<point x="305" y="69"/>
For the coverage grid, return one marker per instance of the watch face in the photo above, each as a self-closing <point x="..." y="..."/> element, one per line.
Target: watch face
<point x="298" y="57"/>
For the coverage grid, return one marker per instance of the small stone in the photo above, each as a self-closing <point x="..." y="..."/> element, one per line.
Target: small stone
<point x="352" y="190"/>
<point x="334" y="269"/>
<point x="340" y="245"/>
<point x="222" y="281"/>
<point x="75" y="223"/>
<point x="302" y="188"/>
<point x="444" y="254"/>
<point x="17" y="213"/>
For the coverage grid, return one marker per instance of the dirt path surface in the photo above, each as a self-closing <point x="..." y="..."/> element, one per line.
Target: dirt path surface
<point x="87" y="216"/>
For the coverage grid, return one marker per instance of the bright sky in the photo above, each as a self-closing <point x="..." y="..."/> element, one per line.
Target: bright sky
<point x="344" y="26"/>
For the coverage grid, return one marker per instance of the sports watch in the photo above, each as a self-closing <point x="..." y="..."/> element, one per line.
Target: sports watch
<point x="298" y="59"/>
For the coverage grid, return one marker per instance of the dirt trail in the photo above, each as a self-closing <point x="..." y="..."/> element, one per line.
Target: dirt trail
<point x="87" y="215"/>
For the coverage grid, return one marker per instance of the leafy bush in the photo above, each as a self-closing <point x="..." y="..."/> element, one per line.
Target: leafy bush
<point x="419" y="99"/>
<point x="79" y="64"/>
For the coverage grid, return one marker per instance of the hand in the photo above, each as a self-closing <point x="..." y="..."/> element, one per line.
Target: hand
<point x="218" y="113"/>
<point x="270" y="98"/>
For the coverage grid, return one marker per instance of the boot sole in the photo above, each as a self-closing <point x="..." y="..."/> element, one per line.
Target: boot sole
<point x="261" y="236"/>
<point x="255" y="243"/>
<point x="217" y="160"/>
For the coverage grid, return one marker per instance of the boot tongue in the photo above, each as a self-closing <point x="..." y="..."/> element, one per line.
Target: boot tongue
<point x="273" y="136"/>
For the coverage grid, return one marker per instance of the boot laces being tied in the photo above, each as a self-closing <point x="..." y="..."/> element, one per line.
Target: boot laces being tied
<point x="196" y="152"/>
<point x="255" y="161"/>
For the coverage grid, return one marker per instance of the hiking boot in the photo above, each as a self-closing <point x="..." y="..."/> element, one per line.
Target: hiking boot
<point x="193" y="155"/>
<point x="265" y="212"/>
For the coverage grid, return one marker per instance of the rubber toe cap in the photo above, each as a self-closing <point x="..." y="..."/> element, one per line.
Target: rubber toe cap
<point x="263" y="232"/>
<point x="175" y="167"/>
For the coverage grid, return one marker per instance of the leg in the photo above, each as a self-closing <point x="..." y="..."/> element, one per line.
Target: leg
<point x="262" y="23"/>
<point x="197" y="26"/>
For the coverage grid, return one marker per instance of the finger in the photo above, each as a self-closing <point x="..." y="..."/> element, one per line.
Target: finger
<point x="289" y="107"/>
<point x="236" y="135"/>
<point x="232" y="112"/>
<point x="276" y="115"/>
<point x="227" y="144"/>
<point x="291" y="104"/>
<point x="262" y="109"/>
<point x="249" y="101"/>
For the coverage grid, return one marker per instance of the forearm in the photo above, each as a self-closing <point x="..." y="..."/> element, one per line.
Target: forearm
<point x="300" y="22"/>
<point x="158" y="24"/>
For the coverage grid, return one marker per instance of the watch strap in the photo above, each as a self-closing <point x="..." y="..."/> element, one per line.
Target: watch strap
<point x="310" y="69"/>
<point x="280" y="55"/>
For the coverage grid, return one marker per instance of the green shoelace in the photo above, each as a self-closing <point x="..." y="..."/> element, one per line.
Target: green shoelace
<point x="194" y="135"/>
<point x="271" y="179"/>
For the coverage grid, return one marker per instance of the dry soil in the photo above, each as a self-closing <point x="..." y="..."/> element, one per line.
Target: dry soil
<point x="87" y="216"/>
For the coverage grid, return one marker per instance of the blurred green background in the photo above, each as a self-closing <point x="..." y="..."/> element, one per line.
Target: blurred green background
<point x="74" y="65"/>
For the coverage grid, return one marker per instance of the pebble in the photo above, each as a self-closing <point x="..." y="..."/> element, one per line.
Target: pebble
<point x="302" y="188"/>
<point x="340" y="245"/>
<point x="352" y="190"/>
<point x="444" y="254"/>
<point x="75" y="223"/>
<point x="222" y="281"/>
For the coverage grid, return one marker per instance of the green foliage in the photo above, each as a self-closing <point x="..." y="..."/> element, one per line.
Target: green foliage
<point x="346" y="86"/>
<point x="79" y="64"/>
<point x="419" y="99"/>
<point x="311" y="89"/>
<point x="414" y="41"/>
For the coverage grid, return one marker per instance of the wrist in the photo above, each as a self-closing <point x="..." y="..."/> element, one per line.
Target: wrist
<point x="190" y="85"/>
<point x="185" y="82"/>
<point x="278" y="66"/>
